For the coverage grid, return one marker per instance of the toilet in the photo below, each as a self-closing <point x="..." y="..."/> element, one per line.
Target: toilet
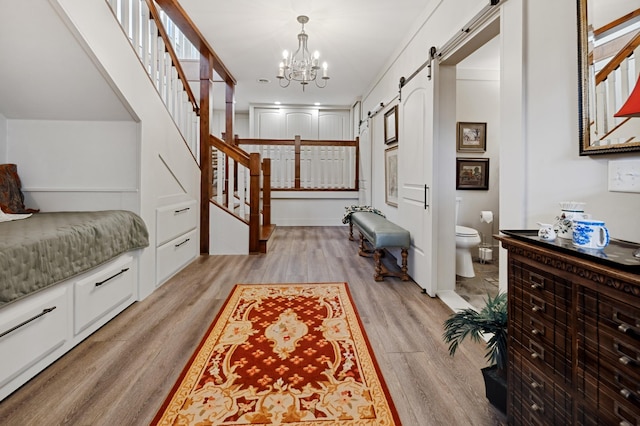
<point x="466" y="238"/>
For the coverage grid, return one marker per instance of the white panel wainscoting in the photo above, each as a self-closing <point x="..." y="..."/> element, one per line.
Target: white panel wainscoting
<point x="303" y="208"/>
<point x="333" y="125"/>
<point x="269" y="122"/>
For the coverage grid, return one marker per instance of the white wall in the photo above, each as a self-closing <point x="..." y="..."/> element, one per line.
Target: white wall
<point x="76" y="165"/>
<point x="3" y="139"/>
<point x="478" y="100"/>
<point x="554" y="171"/>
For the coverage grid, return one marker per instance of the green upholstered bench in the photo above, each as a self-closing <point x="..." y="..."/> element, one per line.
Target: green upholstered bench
<point x="376" y="234"/>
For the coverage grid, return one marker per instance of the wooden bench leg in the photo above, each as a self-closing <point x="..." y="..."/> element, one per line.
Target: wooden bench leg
<point x="379" y="267"/>
<point x="363" y="250"/>
<point x="405" y="271"/>
<point x="382" y="271"/>
<point x="350" y="231"/>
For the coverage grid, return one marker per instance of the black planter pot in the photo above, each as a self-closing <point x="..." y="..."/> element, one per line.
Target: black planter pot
<point x="495" y="387"/>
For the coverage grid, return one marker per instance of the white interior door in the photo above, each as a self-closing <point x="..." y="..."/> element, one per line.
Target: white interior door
<point x="415" y="175"/>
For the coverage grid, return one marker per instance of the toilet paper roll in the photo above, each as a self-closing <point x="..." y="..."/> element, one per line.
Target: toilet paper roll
<point x="486" y="216"/>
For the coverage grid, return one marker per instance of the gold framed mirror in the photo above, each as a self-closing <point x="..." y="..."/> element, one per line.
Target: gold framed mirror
<point x="608" y="66"/>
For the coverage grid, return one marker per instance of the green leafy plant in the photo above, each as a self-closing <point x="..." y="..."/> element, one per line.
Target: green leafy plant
<point x="491" y="319"/>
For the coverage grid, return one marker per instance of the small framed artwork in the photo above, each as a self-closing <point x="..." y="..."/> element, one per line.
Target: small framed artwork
<point x="391" y="125"/>
<point x="472" y="137"/>
<point x="391" y="176"/>
<point x="472" y="173"/>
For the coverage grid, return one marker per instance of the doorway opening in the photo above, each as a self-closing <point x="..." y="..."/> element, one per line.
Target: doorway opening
<point x="473" y="71"/>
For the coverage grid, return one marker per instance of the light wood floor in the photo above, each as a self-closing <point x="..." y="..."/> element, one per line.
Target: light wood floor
<point x="122" y="373"/>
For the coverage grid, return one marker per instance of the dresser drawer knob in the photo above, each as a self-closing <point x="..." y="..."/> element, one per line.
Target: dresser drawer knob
<point x="536" y="407"/>
<point x="625" y="360"/>
<point x="626" y="393"/>
<point x="535" y="355"/>
<point x="535" y="385"/>
<point x="535" y="331"/>
<point x="536" y="286"/>
<point x="536" y="308"/>
<point x="625" y="423"/>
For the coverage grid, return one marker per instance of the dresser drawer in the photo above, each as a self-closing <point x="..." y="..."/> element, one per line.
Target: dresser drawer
<point x="552" y="363"/>
<point x="175" y="254"/>
<point x="544" y="285"/>
<point x="97" y="295"/>
<point x="33" y="329"/>
<point x="542" y="399"/>
<point x="615" y="316"/>
<point x="175" y="220"/>
<point x="606" y="405"/>
<point x="535" y="306"/>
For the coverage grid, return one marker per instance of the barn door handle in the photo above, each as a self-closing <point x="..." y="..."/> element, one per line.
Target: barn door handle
<point x="426" y="197"/>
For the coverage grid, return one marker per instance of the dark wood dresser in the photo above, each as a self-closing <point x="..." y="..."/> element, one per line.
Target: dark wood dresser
<point x="574" y="336"/>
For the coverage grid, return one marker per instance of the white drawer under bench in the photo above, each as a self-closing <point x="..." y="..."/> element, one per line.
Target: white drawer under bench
<point x="177" y="238"/>
<point x="37" y="330"/>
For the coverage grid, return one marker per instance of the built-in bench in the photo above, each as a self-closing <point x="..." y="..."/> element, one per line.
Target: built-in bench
<point x="376" y="234"/>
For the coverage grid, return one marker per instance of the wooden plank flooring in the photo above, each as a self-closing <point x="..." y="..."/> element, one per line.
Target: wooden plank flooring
<point x="122" y="373"/>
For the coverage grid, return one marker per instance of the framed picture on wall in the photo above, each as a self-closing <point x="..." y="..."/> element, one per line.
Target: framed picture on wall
<point x="471" y="137"/>
<point x="472" y="173"/>
<point x="391" y="125"/>
<point x="391" y="176"/>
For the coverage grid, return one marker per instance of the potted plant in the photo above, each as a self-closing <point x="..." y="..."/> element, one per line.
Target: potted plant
<point x="492" y="319"/>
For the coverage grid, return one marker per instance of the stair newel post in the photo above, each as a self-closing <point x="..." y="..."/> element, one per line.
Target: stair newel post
<point x="266" y="192"/>
<point x="297" y="162"/>
<point x="206" y="166"/>
<point x="254" y="202"/>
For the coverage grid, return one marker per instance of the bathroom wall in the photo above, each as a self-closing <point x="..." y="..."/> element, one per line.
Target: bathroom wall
<point x="478" y="100"/>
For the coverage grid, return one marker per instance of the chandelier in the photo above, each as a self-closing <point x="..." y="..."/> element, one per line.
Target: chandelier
<point x="302" y="66"/>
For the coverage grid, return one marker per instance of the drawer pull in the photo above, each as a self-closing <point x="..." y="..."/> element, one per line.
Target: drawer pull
<point x="626" y="393"/>
<point x="536" y="308"/>
<point x="628" y="329"/>
<point x="625" y="322"/>
<point x="33" y="318"/>
<point x="535" y="331"/>
<point x="625" y="360"/>
<point x="98" y="284"/>
<point x="182" y="243"/>
<point x="535" y="385"/>
<point x="536" y="286"/>
<point x="625" y="423"/>
<point x="182" y="210"/>
<point x="535" y="355"/>
<point x="536" y="407"/>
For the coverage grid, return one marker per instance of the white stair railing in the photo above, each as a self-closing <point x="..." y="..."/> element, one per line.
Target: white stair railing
<point x="136" y="20"/>
<point x="321" y="166"/>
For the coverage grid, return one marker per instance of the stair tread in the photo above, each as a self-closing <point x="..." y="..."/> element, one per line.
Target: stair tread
<point x="266" y="231"/>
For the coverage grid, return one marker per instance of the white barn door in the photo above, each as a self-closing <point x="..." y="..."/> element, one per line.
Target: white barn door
<point x="416" y="177"/>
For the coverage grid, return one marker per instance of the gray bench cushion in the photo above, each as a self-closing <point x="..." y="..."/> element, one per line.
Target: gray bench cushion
<point x="379" y="231"/>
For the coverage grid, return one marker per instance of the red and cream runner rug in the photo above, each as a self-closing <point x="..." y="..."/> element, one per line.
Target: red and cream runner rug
<point x="282" y="354"/>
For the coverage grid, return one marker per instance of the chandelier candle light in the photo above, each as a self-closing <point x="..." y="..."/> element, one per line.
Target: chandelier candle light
<point x="302" y="66"/>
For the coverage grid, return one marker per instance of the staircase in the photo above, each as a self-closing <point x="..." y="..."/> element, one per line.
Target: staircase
<point x="239" y="185"/>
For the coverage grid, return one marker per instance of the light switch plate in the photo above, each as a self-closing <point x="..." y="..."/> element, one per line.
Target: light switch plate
<point x="624" y="175"/>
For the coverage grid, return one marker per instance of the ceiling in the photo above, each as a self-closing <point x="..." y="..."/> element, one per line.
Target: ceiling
<point x="357" y="38"/>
